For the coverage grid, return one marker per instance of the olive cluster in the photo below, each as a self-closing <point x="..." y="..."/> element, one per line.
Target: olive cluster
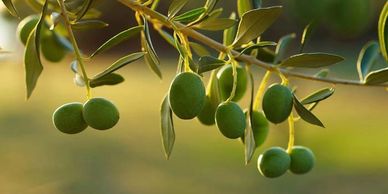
<point x="189" y="98"/>
<point x="52" y="49"/>
<point x="98" y="113"/>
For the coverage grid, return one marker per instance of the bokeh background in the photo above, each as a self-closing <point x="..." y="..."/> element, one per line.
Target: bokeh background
<point x="36" y="158"/>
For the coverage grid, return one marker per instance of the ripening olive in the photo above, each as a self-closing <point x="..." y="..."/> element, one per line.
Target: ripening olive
<point x="207" y="115"/>
<point x="302" y="160"/>
<point x="26" y="26"/>
<point x="68" y="118"/>
<point x="225" y="81"/>
<point x="100" y="113"/>
<point x="52" y="49"/>
<point x="274" y="162"/>
<point x="187" y="95"/>
<point x="230" y="120"/>
<point x="260" y="127"/>
<point x="277" y="103"/>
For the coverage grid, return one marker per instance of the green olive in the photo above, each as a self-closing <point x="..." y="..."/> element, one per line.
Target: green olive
<point x="25" y="27"/>
<point x="52" y="49"/>
<point x="68" y="118"/>
<point x="100" y="113"/>
<point x="274" y="162"/>
<point x="207" y="115"/>
<point x="277" y="103"/>
<point x="187" y="95"/>
<point x="260" y="127"/>
<point x="302" y="160"/>
<point x="230" y="120"/>
<point x="225" y="81"/>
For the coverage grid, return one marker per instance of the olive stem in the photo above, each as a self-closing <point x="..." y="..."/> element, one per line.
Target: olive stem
<point x="77" y="51"/>
<point x="260" y="91"/>
<point x="242" y="57"/>
<point x="234" y="74"/>
<point x="291" y="125"/>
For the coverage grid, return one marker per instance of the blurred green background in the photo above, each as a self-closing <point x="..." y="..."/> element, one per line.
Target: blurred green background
<point x="36" y="158"/>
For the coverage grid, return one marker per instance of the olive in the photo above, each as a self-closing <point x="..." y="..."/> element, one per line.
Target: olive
<point x="302" y="160"/>
<point x="100" y="113"/>
<point x="187" y="95"/>
<point x="52" y="49"/>
<point x="277" y="103"/>
<point x="225" y="81"/>
<point x="68" y="118"/>
<point x="207" y="115"/>
<point x="230" y="120"/>
<point x="274" y="162"/>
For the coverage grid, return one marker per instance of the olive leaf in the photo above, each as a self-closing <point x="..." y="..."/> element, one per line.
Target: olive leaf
<point x="150" y="57"/>
<point x="175" y="7"/>
<point x="282" y="46"/>
<point x="117" y="39"/>
<point x="167" y="127"/>
<point x="190" y="16"/>
<point x="89" y="24"/>
<point x="377" y="77"/>
<point x="120" y="63"/>
<point x="266" y="55"/>
<point x="249" y="139"/>
<point x="254" y="23"/>
<point x="244" y="6"/>
<point x="167" y="36"/>
<point x="305" y="114"/>
<point x="84" y="9"/>
<point x="307" y="31"/>
<point x="322" y="73"/>
<point x="109" y="79"/>
<point x="11" y="8"/>
<point x="32" y="63"/>
<point x="208" y="63"/>
<point x="383" y="31"/>
<point x="262" y="44"/>
<point x="311" y="60"/>
<point x="216" y="24"/>
<point x="318" y="96"/>
<point x="209" y="6"/>
<point x="230" y="33"/>
<point x="367" y="57"/>
<point x="199" y="49"/>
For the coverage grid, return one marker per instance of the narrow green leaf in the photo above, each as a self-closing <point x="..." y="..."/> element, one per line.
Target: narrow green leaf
<point x="167" y="127"/>
<point x="120" y="63"/>
<point x="193" y="65"/>
<point x="322" y="73"/>
<point x="216" y="24"/>
<point x="266" y="55"/>
<point x="367" y="57"/>
<point x="244" y="6"/>
<point x="306" y="34"/>
<point x="151" y="57"/>
<point x="318" y="96"/>
<point x="109" y="79"/>
<point x="254" y="23"/>
<point x="11" y="8"/>
<point x="117" y="39"/>
<point x="249" y="139"/>
<point x="199" y="49"/>
<point x="377" y="77"/>
<point x="312" y="60"/>
<point x="167" y="36"/>
<point x="305" y="114"/>
<point x="89" y="24"/>
<point x="32" y="63"/>
<point x="85" y="8"/>
<point x="230" y="33"/>
<point x="383" y="31"/>
<point x="190" y="16"/>
<point x="209" y="6"/>
<point x="175" y="7"/>
<point x="208" y="63"/>
<point x="262" y="44"/>
<point x="282" y="47"/>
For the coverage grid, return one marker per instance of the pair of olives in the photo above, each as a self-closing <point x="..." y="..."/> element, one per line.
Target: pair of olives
<point x="275" y="161"/>
<point x="98" y="113"/>
<point x="51" y="47"/>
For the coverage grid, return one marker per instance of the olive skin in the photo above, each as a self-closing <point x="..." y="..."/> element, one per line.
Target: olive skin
<point x="207" y="115"/>
<point x="52" y="49"/>
<point x="68" y="118"/>
<point x="187" y="95"/>
<point x="25" y="27"/>
<point x="260" y="127"/>
<point x="277" y="103"/>
<point x="302" y="160"/>
<point x="230" y="120"/>
<point x="100" y="113"/>
<point x="225" y="81"/>
<point x="274" y="162"/>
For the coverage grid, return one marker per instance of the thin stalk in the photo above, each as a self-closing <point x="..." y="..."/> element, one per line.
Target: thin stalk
<point x="260" y="91"/>
<point x="291" y="126"/>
